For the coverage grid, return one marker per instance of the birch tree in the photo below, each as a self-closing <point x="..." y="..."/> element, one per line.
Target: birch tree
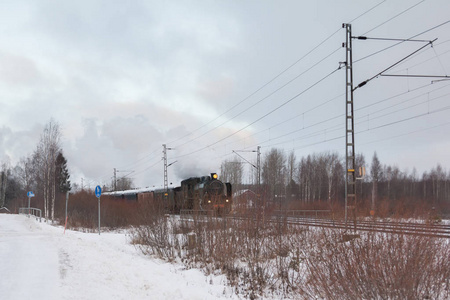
<point x="46" y="154"/>
<point x="376" y="173"/>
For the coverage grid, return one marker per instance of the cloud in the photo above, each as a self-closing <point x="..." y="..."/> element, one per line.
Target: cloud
<point x="18" y="71"/>
<point x="124" y="78"/>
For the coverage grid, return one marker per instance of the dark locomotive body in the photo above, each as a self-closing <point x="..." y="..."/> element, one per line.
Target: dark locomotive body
<point x="205" y="193"/>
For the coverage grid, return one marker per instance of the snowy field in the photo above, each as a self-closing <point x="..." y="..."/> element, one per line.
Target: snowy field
<point x="38" y="262"/>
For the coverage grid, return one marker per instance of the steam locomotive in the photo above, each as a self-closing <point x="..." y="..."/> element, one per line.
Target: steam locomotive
<point x="206" y="193"/>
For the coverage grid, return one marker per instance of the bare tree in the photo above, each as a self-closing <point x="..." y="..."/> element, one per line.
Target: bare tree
<point x="376" y="173"/>
<point x="332" y="166"/>
<point x="231" y="171"/>
<point x="273" y="172"/>
<point x="45" y="155"/>
<point x="124" y="183"/>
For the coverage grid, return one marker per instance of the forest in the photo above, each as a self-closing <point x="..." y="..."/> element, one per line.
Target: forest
<point x="318" y="181"/>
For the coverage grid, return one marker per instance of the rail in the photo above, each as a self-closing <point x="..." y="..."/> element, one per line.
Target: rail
<point x="31" y="211"/>
<point x="303" y="213"/>
<point x="191" y="213"/>
<point x="419" y="229"/>
<point x="391" y="227"/>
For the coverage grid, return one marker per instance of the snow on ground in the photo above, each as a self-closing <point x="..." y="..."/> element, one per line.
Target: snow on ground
<point x="38" y="261"/>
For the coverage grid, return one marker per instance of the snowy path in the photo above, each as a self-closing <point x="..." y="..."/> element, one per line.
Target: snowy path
<point x="29" y="262"/>
<point x="39" y="262"/>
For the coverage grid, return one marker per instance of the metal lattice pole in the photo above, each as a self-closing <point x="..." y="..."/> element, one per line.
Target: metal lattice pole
<point x="258" y="166"/>
<point x="350" y="178"/>
<point x="166" y="185"/>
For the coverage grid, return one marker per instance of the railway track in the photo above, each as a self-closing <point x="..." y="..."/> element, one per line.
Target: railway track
<point x="393" y="227"/>
<point x="420" y="229"/>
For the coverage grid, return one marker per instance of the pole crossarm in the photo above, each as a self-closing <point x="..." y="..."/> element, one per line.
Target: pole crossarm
<point x="393" y="65"/>
<point x="415" y="76"/>
<point x="389" y="39"/>
<point x="236" y="152"/>
<point x="258" y="161"/>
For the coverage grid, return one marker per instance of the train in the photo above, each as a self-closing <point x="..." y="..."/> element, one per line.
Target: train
<point x="199" y="194"/>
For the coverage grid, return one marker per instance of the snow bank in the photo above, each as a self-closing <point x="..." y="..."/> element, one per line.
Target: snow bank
<point x="40" y="262"/>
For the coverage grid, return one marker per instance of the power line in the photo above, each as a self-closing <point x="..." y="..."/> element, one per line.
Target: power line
<point x="270" y="81"/>
<point x="265" y="115"/>
<point x="261" y="100"/>
<point x="339" y="116"/>
<point x="414" y="36"/>
<point x="408" y="133"/>
<point x="367" y="11"/>
<point x="397" y="15"/>
<point x="427" y="60"/>
<point x="260" y="88"/>
<point x="380" y="126"/>
<point x="391" y="66"/>
<point x="335" y="128"/>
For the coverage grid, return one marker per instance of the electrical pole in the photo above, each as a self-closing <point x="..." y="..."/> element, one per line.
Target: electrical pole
<point x="258" y="166"/>
<point x="115" y="179"/>
<point x="166" y="181"/>
<point x="350" y="178"/>
<point x="165" y="167"/>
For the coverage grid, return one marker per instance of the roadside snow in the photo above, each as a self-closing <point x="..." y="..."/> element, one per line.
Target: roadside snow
<point x="38" y="261"/>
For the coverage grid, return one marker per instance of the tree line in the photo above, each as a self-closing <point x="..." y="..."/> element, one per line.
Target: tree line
<point x="320" y="177"/>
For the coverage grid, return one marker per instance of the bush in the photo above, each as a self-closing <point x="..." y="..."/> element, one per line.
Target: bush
<point x="378" y="266"/>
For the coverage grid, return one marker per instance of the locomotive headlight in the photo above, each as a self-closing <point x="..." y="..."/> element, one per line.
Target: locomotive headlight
<point x="226" y="200"/>
<point x="209" y="201"/>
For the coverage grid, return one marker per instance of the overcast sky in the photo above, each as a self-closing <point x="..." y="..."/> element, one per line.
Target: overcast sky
<point x="209" y="77"/>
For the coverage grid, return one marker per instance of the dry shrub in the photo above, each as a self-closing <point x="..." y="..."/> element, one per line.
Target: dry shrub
<point x="153" y="232"/>
<point x="261" y="257"/>
<point x="83" y="212"/>
<point x="378" y="266"/>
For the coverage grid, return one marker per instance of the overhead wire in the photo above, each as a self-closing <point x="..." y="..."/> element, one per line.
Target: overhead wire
<point x="274" y="78"/>
<point x="408" y="133"/>
<point x="331" y="129"/>
<point x="267" y="83"/>
<point x="296" y="116"/>
<point x="259" y="89"/>
<point x="391" y="66"/>
<point x="264" y="98"/>
<point x="381" y="25"/>
<point x="397" y="15"/>
<point x="262" y="87"/>
<point x="396" y="44"/>
<point x="265" y="115"/>
<point x="424" y="61"/>
<point x="381" y="126"/>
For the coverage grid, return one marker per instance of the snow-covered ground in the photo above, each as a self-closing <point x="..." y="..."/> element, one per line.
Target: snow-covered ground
<point x="38" y="261"/>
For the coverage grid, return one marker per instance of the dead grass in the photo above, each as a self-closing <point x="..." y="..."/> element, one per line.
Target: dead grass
<point x="265" y="259"/>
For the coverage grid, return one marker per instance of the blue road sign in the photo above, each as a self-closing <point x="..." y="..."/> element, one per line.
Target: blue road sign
<point x="30" y="194"/>
<point x="98" y="191"/>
